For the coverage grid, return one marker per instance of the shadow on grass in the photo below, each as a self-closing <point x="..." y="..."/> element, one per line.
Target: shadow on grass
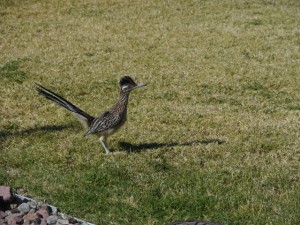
<point x="125" y="146"/>
<point x="4" y="134"/>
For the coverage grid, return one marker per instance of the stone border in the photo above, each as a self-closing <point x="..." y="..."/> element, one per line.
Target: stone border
<point x="54" y="210"/>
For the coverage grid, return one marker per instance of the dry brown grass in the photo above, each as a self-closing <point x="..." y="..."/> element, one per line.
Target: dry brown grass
<point x="214" y="136"/>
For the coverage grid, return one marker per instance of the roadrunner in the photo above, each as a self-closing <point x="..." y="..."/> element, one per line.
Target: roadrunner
<point x="108" y="122"/>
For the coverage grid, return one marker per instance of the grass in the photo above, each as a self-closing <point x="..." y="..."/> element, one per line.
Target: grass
<point x="214" y="136"/>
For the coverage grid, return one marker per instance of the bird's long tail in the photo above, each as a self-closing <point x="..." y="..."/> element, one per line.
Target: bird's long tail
<point x="83" y="117"/>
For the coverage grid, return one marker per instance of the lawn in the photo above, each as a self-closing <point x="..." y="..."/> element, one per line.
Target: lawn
<point x="214" y="136"/>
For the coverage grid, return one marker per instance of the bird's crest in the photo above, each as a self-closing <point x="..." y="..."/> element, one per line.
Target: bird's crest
<point x="126" y="80"/>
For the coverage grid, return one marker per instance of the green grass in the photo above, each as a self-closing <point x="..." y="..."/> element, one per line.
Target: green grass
<point x="214" y="136"/>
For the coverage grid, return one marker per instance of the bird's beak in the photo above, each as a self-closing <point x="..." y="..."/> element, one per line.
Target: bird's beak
<point x="139" y="85"/>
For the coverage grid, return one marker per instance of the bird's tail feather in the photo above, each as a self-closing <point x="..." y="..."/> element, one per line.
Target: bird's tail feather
<point x="83" y="117"/>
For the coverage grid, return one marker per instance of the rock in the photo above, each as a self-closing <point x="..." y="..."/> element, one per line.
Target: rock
<point x="51" y="220"/>
<point x="13" y="205"/>
<point x="33" y="205"/>
<point x="13" y="210"/>
<point x="43" y="211"/>
<point x="14" y="218"/>
<point x="31" y="211"/>
<point x="73" y="221"/>
<point x="53" y="210"/>
<point x="30" y="217"/>
<point x="26" y="222"/>
<point x="6" y="195"/>
<point x="62" y="222"/>
<point x="8" y="212"/>
<point x="3" y="215"/>
<point x="24" y="207"/>
<point x="37" y="220"/>
<point x="43" y="222"/>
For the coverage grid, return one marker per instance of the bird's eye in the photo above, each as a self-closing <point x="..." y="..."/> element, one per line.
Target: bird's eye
<point x="125" y="87"/>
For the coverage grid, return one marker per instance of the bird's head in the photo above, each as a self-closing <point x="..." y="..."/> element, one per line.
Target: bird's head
<point x="127" y="84"/>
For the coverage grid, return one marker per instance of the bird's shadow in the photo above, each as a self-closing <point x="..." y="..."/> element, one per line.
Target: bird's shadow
<point x="4" y="134"/>
<point x="125" y="146"/>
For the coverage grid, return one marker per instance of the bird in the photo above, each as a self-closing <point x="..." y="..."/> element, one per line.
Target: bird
<point x="109" y="121"/>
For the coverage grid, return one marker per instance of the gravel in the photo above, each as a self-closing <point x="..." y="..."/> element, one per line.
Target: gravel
<point x="20" y="210"/>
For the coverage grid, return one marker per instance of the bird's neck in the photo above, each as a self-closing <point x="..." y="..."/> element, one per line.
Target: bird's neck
<point x="123" y="101"/>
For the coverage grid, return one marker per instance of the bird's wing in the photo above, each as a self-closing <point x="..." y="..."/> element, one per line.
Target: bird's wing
<point x="104" y="122"/>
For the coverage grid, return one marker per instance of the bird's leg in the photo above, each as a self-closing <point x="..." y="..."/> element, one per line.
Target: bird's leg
<point x="104" y="144"/>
